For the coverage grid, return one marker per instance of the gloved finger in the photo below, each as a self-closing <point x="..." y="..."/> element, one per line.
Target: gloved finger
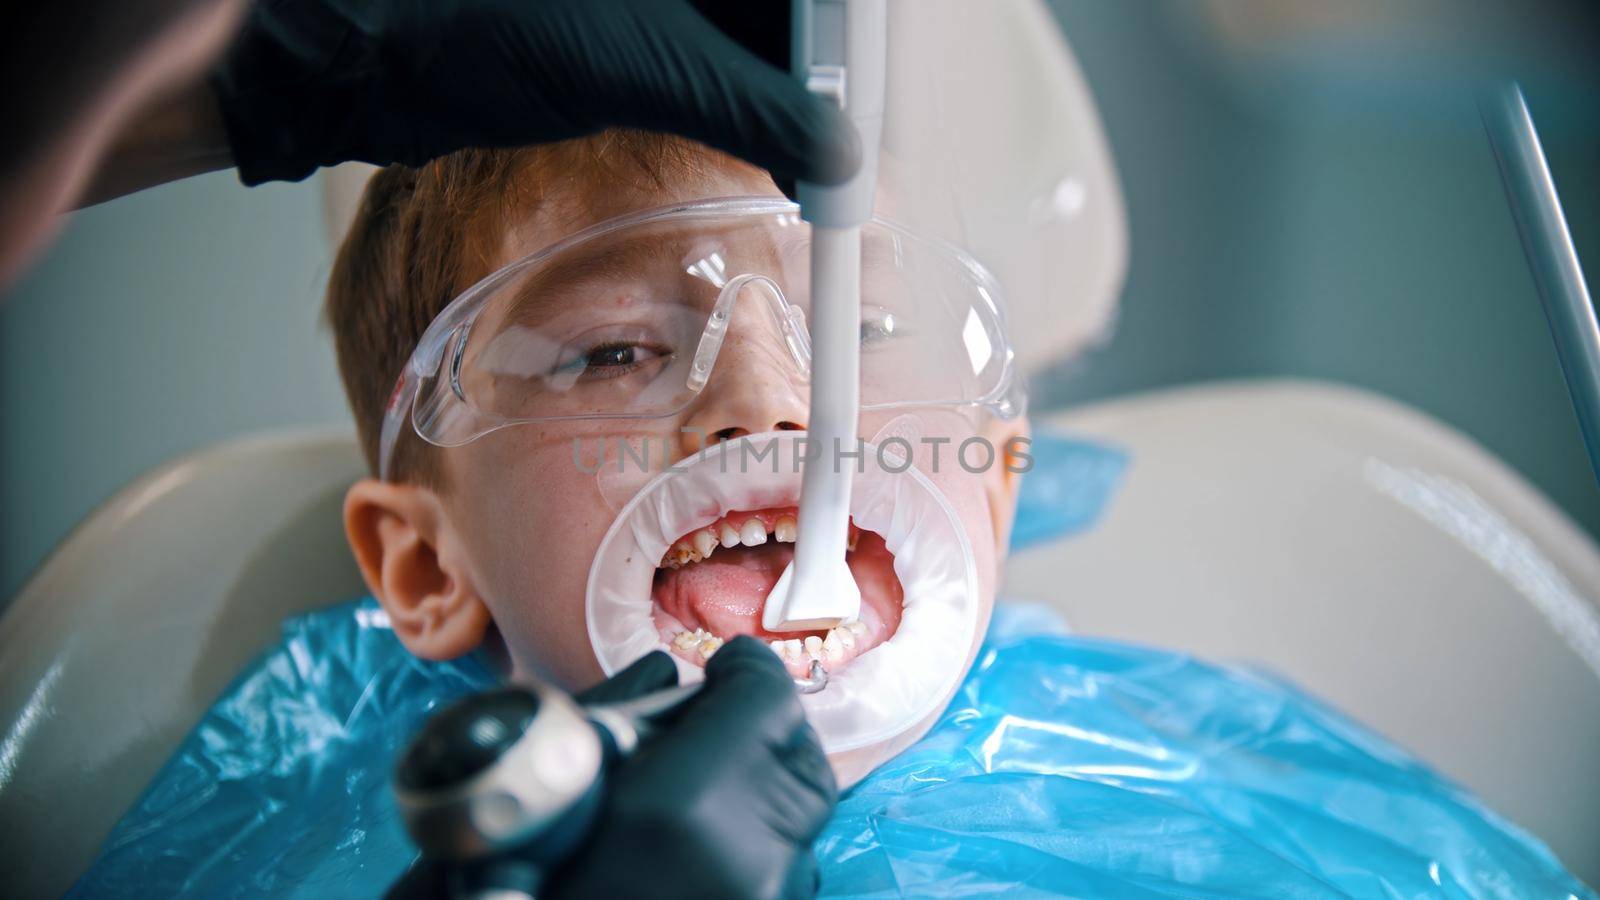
<point x="751" y="687"/>
<point x="427" y="879"/>
<point x="652" y="672"/>
<point x="804" y="878"/>
<point x="745" y="678"/>
<point x="745" y="653"/>
<point x="763" y="29"/>
<point x="737" y="102"/>
<point x="744" y="715"/>
<point x="799" y="792"/>
<point x="806" y="760"/>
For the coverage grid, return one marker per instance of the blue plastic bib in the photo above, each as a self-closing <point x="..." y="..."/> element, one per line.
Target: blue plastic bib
<point x="1065" y="765"/>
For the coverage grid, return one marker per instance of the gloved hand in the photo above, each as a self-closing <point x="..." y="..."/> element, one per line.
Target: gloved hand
<point x="311" y="83"/>
<point x="725" y="802"/>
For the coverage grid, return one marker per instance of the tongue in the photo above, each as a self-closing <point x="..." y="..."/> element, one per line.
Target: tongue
<point x="723" y="594"/>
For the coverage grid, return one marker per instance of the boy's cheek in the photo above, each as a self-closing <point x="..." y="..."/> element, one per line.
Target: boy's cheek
<point x="532" y="524"/>
<point x="535" y="594"/>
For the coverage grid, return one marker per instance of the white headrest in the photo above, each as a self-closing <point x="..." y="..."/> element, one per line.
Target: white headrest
<point x="988" y="116"/>
<point x="995" y="143"/>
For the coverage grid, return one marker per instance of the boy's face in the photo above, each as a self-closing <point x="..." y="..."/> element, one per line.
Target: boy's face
<point x="514" y="532"/>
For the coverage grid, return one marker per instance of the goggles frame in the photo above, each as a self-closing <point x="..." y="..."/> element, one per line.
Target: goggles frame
<point x="450" y="329"/>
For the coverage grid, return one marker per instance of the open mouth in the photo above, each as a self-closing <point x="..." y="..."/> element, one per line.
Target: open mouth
<point x="712" y="582"/>
<point x="691" y="557"/>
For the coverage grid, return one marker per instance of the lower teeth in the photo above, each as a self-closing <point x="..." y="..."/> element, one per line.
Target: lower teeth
<point x="698" y="641"/>
<point x="832" y="648"/>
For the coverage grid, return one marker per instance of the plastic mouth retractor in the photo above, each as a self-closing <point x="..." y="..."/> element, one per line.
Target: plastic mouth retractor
<point x="879" y="694"/>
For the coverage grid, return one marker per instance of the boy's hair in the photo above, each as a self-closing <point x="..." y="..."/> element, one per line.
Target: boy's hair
<point x="421" y="236"/>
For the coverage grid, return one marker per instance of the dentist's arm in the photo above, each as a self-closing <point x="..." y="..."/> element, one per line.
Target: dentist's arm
<point x="174" y="135"/>
<point x="311" y="83"/>
<point x="78" y="75"/>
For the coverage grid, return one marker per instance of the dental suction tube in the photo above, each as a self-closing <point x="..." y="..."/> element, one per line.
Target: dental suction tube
<point x="839" y="51"/>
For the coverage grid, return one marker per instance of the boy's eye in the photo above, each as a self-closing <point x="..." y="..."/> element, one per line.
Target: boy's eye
<point x="616" y="356"/>
<point x="609" y="360"/>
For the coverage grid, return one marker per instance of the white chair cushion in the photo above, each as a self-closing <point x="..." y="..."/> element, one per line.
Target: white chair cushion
<point x="1372" y="555"/>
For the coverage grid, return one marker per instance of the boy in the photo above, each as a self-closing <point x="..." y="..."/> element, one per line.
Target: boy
<point x="492" y="540"/>
<point x="1064" y="766"/>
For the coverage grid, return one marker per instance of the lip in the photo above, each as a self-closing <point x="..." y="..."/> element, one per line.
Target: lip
<point x="712" y="585"/>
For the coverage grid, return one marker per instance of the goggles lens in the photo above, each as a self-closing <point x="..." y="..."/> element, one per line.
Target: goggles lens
<point x="633" y="319"/>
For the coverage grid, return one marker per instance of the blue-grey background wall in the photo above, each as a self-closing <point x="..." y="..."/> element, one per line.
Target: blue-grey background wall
<point x="159" y="323"/>
<point x="1336" y="218"/>
<point x="1334" y="211"/>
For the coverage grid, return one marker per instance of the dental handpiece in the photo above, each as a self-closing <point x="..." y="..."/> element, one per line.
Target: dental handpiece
<point x="518" y="771"/>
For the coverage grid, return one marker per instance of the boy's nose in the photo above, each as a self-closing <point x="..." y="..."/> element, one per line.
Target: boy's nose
<point x="751" y="390"/>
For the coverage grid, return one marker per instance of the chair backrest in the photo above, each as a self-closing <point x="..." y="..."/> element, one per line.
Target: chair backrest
<point x="1374" y="556"/>
<point x="141" y="618"/>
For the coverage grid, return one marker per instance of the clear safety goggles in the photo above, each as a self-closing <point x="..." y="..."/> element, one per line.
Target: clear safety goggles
<point x="626" y="320"/>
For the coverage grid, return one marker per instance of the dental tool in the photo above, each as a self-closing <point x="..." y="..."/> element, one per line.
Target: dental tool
<point x="1552" y="258"/>
<point x="500" y="785"/>
<point x="839" y="51"/>
<point x="518" y="769"/>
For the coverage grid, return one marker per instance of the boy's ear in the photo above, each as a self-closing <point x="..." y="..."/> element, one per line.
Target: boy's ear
<point x="1003" y="480"/>
<point x="409" y="555"/>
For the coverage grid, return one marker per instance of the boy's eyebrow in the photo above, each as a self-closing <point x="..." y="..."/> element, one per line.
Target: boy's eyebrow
<point x="535" y="299"/>
<point x="553" y="284"/>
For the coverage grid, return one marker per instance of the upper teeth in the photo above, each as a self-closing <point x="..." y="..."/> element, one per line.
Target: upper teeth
<point x="753" y="532"/>
<point x="704" y="543"/>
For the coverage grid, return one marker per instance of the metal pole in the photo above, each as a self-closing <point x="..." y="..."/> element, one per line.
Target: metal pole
<point x="1551" y="256"/>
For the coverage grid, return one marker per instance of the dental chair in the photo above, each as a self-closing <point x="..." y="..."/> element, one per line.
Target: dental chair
<point x="141" y="618"/>
<point x="1376" y="557"/>
<point x="1367" y="552"/>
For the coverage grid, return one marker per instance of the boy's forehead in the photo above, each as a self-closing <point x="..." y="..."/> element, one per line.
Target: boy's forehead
<point x="564" y="212"/>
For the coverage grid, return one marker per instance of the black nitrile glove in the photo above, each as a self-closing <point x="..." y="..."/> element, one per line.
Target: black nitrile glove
<point x="311" y="83"/>
<point x="725" y="802"/>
